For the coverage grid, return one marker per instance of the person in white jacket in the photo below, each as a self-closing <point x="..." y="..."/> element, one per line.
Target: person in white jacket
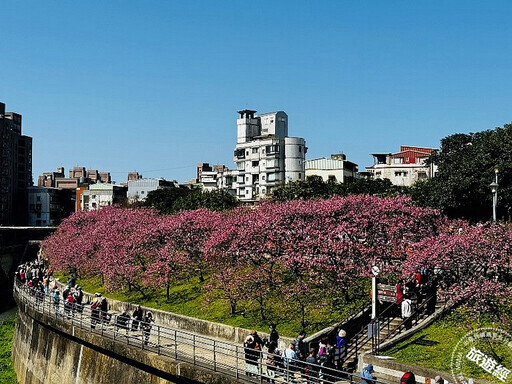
<point x="407" y="312"/>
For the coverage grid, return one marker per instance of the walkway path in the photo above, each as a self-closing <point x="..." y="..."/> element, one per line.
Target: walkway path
<point x="205" y="352"/>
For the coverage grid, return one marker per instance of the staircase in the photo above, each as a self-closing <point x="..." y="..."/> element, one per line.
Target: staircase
<point x="388" y="326"/>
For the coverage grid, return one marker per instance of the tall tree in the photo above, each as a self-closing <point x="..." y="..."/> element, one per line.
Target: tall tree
<point x="467" y="165"/>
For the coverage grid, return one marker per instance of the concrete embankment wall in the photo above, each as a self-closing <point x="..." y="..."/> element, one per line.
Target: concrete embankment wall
<point x="49" y="351"/>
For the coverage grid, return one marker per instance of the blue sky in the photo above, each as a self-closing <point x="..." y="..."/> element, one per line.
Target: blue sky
<point x="154" y="86"/>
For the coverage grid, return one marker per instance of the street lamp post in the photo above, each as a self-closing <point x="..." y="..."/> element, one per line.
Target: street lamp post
<point x="375" y="272"/>
<point x="494" y="190"/>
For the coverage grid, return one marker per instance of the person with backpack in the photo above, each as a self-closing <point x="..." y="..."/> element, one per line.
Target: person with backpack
<point x="366" y="375"/>
<point x="408" y="378"/>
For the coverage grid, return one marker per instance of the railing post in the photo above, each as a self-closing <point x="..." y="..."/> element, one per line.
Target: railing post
<point x="214" y="357"/>
<point x="175" y="344"/>
<point x="194" y="347"/>
<point x="158" y="338"/>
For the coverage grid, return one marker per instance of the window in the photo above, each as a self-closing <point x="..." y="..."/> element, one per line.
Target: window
<point x="255" y="150"/>
<point x="272" y="163"/>
<point x="300" y="175"/>
<point x="332" y="178"/>
<point x="142" y="192"/>
<point x="398" y="160"/>
<point x="247" y="153"/>
<point x="401" y="173"/>
<point x="255" y="163"/>
<point x="272" y="149"/>
<point x="300" y="149"/>
<point x="240" y="166"/>
<point x="422" y="175"/>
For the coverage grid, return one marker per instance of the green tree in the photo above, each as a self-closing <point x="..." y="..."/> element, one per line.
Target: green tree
<point x="216" y="200"/>
<point x="315" y="188"/>
<point x="173" y="200"/>
<point x="466" y="166"/>
<point x="164" y="200"/>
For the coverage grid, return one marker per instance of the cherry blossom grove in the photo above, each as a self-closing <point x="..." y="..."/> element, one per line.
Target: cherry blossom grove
<point x="296" y="254"/>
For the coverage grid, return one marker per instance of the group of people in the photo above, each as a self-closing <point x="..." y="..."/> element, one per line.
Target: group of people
<point x="138" y="319"/>
<point x="37" y="276"/>
<point x="367" y="377"/>
<point x="420" y="287"/>
<point x="316" y="363"/>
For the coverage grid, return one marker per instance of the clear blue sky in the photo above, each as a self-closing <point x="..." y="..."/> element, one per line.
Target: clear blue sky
<point x="154" y="86"/>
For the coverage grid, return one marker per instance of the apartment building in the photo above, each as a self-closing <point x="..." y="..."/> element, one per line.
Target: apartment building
<point x="334" y="169"/>
<point x="264" y="154"/>
<point x="212" y="177"/>
<point x="48" y="206"/>
<point x="15" y="169"/>
<point x="102" y="195"/>
<point x="138" y="189"/>
<point x="403" y="168"/>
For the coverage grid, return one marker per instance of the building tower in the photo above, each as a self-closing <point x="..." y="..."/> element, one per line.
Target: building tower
<point x="264" y="154"/>
<point x="15" y="169"/>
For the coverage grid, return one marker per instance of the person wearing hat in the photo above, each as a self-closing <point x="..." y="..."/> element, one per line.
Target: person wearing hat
<point x="340" y="351"/>
<point x="366" y="375"/>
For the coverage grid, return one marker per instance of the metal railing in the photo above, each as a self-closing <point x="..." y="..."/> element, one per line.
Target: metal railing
<point x="421" y="311"/>
<point x="383" y="323"/>
<point x="228" y="359"/>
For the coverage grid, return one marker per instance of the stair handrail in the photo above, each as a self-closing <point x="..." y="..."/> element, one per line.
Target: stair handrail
<point x="413" y="318"/>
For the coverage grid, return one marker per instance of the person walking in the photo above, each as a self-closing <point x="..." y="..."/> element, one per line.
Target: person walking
<point x="146" y="326"/>
<point x="407" y="312"/>
<point x="312" y="368"/>
<point x="366" y="375"/>
<point x="137" y="317"/>
<point x="290" y="361"/>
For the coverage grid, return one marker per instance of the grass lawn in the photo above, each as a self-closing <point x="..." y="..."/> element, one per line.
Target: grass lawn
<point x="7" y="324"/>
<point x="433" y="346"/>
<point x="189" y="299"/>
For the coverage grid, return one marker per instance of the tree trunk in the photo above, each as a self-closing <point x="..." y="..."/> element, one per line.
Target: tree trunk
<point x="232" y="305"/>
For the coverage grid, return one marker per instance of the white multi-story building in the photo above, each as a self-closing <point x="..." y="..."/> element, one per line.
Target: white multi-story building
<point x="405" y="167"/>
<point x="138" y="189"/>
<point x="264" y="154"/>
<point x="101" y="195"/>
<point x="336" y="169"/>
